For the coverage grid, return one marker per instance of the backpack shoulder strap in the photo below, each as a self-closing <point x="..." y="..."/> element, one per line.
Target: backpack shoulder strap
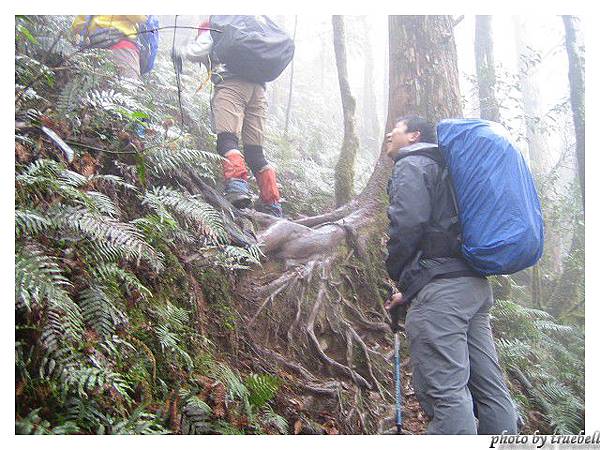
<point x="445" y="178"/>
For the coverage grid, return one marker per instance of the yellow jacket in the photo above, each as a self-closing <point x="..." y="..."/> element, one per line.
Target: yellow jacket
<point x="128" y="25"/>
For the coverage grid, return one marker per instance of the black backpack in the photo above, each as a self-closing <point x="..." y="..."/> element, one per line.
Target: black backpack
<point x="254" y="49"/>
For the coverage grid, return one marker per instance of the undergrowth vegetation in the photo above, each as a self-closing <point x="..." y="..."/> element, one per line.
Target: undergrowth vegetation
<point x="107" y="337"/>
<point x="125" y="322"/>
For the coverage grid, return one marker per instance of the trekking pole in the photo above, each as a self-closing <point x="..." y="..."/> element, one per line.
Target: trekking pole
<point x="398" y="383"/>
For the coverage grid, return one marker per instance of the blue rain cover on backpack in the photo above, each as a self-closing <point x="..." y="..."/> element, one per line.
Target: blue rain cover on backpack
<point x="148" y="43"/>
<point x="499" y="209"/>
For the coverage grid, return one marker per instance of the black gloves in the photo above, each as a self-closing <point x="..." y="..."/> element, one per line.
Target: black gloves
<point x="396" y="306"/>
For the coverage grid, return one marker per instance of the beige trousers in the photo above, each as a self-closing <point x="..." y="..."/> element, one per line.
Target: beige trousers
<point x="240" y="107"/>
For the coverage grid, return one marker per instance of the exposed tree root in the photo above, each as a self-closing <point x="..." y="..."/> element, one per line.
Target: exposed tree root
<point x="309" y="316"/>
<point x="310" y="382"/>
<point x="320" y="352"/>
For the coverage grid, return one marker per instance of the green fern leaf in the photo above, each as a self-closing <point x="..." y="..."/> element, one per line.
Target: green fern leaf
<point x="166" y="161"/>
<point x="262" y="388"/>
<point x="123" y="236"/>
<point x="99" y="311"/>
<point x="30" y="223"/>
<point x="191" y="208"/>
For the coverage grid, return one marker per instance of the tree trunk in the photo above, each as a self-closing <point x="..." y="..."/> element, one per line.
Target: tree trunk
<point x="486" y="71"/>
<point x="289" y="102"/>
<point x="276" y="89"/>
<point x="575" y="52"/>
<point x="313" y="313"/>
<point x="369" y="135"/>
<point x="344" y="169"/>
<point x="568" y="296"/>
<point x="539" y="154"/>
<point x="536" y="142"/>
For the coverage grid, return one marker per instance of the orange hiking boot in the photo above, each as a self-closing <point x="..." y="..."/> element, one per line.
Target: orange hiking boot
<point x="235" y="173"/>
<point x="269" y="201"/>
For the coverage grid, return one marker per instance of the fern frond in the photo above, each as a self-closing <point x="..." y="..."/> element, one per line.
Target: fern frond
<point x="30" y="222"/>
<point x="43" y="168"/>
<point x="270" y="417"/>
<point x="191" y="208"/>
<point x="163" y="226"/>
<point x="34" y="424"/>
<point x="87" y="413"/>
<point x="111" y="180"/>
<point x="98" y="252"/>
<point x="74" y="90"/>
<point x="117" y="347"/>
<point x="39" y="279"/>
<point x="111" y="273"/>
<point x="139" y="422"/>
<point x="169" y="341"/>
<point x="233" y="382"/>
<point x="192" y="401"/>
<point x="103" y="204"/>
<point x="256" y="252"/>
<point x="166" y="161"/>
<point x="109" y="100"/>
<point x="172" y="316"/>
<point x="241" y="258"/>
<point x="45" y="178"/>
<point x="262" y="388"/>
<point x="91" y="380"/>
<point x="553" y="327"/>
<point x="514" y="352"/>
<point x="538" y="314"/>
<point x="123" y="236"/>
<point x="73" y="179"/>
<point x="99" y="311"/>
<point x="565" y="412"/>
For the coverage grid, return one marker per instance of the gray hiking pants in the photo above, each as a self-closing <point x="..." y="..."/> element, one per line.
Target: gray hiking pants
<point x="454" y="359"/>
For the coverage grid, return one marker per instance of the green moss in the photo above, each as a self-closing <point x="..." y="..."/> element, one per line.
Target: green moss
<point x="373" y="270"/>
<point x="203" y="361"/>
<point x="218" y="293"/>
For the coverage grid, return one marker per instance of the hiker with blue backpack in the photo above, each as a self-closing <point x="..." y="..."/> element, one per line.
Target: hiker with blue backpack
<point x="459" y="209"/>
<point x="133" y="40"/>
<point x="241" y="54"/>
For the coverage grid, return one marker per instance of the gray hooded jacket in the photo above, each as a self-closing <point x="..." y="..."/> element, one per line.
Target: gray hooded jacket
<point x="424" y="234"/>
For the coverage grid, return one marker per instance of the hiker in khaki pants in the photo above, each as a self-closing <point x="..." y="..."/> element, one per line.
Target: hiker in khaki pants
<point x="239" y="109"/>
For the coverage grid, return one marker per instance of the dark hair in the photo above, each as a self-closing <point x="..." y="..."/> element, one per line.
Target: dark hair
<point x="416" y="123"/>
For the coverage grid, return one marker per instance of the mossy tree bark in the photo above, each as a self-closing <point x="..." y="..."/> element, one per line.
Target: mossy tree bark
<point x="486" y="71"/>
<point x="567" y="298"/>
<point x="291" y="89"/>
<point x="575" y="52"/>
<point x="313" y="313"/>
<point x="369" y="129"/>
<point x="344" y="169"/>
<point x="538" y="152"/>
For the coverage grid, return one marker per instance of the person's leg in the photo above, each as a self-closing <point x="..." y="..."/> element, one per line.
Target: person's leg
<point x="253" y="137"/>
<point x="228" y="103"/>
<point x="127" y="61"/>
<point x="436" y="324"/>
<point x="496" y="411"/>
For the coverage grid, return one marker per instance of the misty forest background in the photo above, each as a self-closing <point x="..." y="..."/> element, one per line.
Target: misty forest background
<point x="144" y="303"/>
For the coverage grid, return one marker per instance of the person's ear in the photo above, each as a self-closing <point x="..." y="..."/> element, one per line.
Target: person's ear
<point x="414" y="136"/>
